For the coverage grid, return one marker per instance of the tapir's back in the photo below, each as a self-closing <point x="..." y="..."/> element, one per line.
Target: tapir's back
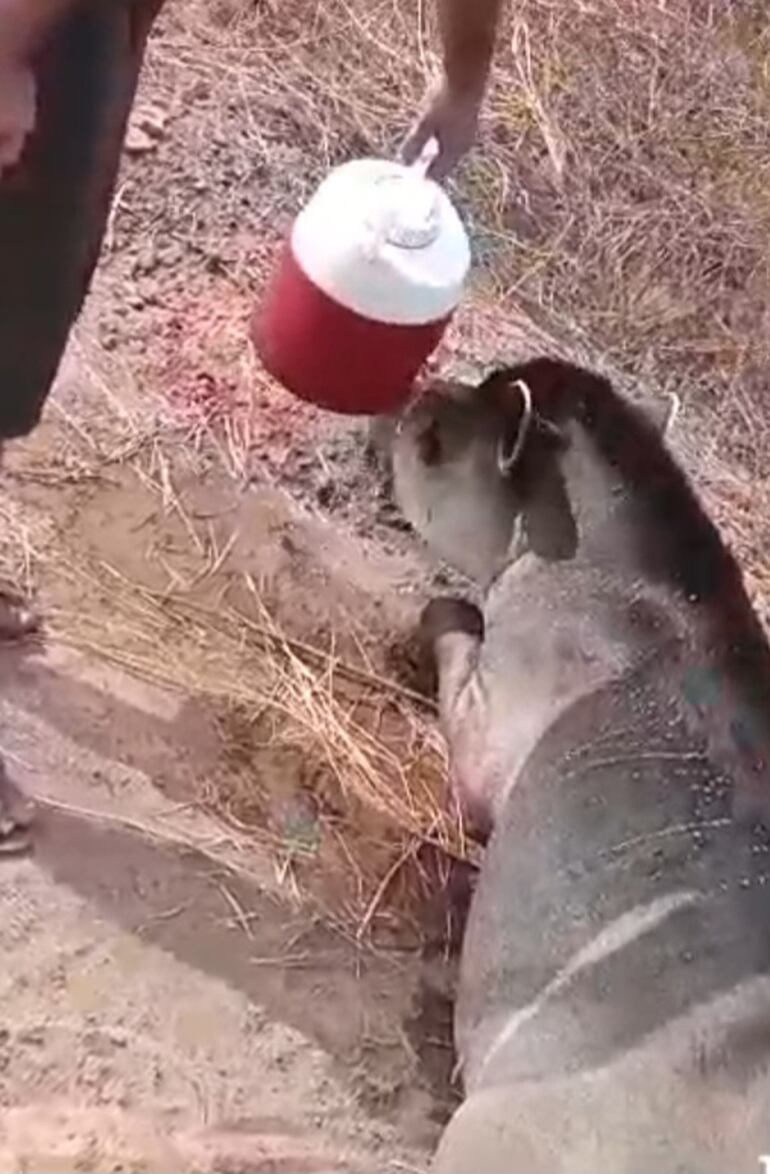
<point x="614" y="977"/>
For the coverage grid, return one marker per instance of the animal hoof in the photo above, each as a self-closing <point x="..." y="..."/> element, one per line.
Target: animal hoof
<point x="449" y="614"/>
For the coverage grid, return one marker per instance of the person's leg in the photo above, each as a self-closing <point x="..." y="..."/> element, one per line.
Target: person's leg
<point x="54" y="208"/>
<point x="53" y="213"/>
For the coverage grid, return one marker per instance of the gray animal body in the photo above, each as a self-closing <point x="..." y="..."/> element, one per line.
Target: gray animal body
<point x="608" y="723"/>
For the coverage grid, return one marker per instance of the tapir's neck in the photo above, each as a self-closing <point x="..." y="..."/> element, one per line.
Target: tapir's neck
<point x="723" y="675"/>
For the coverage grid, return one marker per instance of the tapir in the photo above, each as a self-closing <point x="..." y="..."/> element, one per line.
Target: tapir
<point x="607" y="715"/>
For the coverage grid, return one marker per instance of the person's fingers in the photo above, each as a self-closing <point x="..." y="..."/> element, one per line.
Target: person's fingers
<point x="18" y="111"/>
<point x="11" y="147"/>
<point x="443" y="164"/>
<point x="415" y="141"/>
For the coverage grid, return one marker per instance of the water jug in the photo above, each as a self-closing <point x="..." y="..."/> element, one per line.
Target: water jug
<point x="366" y="284"/>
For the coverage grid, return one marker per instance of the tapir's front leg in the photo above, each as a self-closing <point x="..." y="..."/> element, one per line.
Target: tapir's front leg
<point x="452" y="630"/>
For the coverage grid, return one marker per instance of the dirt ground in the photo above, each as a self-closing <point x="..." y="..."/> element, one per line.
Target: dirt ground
<point x="223" y="954"/>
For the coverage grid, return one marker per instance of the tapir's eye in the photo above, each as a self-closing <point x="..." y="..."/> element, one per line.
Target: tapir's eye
<point x="429" y="444"/>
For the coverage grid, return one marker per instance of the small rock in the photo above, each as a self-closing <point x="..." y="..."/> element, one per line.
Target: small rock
<point x="138" y="142"/>
<point x="325" y="493"/>
<point x="146" y="262"/>
<point x="151" y="119"/>
<point x="215" y="265"/>
<point x="108" y="337"/>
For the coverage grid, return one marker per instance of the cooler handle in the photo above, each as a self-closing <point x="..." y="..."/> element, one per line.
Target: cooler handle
<point x="416" y="171"/>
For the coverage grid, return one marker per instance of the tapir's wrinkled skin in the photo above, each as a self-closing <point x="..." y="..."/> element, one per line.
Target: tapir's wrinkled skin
<point x="608" y="721"/>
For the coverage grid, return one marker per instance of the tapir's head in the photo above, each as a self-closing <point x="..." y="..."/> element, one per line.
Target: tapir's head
<point x="475" y="468"/>
<point x="478" y="471"/>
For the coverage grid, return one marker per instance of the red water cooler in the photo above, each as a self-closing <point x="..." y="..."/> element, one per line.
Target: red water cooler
<point x="368" y="280"/>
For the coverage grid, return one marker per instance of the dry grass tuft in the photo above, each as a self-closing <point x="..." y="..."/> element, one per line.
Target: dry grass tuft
<point x="619" y="193"/>
<point x="617" y="201"/>
<point x="339" y="771"/>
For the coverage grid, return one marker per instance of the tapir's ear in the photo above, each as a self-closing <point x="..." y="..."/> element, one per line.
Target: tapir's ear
<point x="662" y="414"/>
<point x="493" y="384"/>
<point x="517" y="395"/>
<point x="549" y="524"/>
<point x="545" y="377"/>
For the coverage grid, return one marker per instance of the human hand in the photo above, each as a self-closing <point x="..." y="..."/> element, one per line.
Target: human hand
<point x="451" y="117"/>
<point x="18" y="109"/>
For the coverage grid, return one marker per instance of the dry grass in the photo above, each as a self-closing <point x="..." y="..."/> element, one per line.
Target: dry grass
<point x="353" y="758"/>
<point x="620" y="190"/>
<point x="360" y="748"/>
<point x="618" y="200"/>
